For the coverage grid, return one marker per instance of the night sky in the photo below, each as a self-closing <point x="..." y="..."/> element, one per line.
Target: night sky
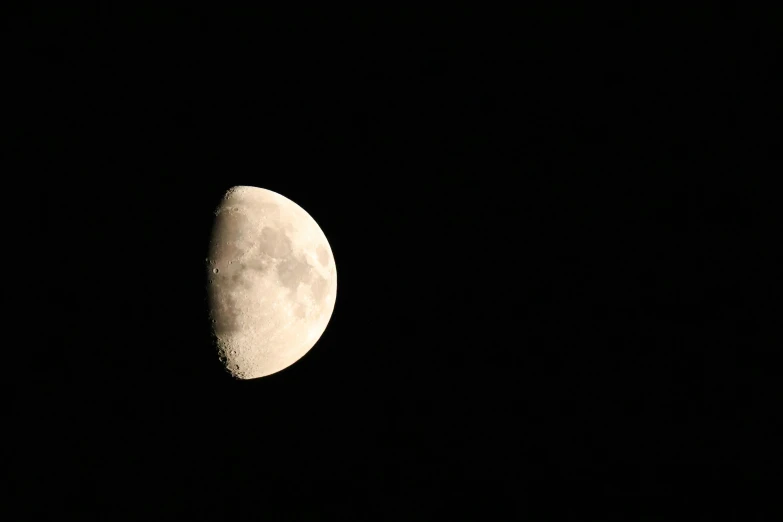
<point x="553" y="249"/>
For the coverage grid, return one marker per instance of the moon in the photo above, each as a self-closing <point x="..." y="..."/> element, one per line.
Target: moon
<point x="272" y="282"/>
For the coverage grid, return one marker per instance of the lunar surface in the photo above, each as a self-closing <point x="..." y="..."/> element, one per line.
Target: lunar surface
<point x="272" y="281"/>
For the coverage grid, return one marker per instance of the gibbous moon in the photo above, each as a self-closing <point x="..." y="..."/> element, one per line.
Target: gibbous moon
<point x="272" y="281"/>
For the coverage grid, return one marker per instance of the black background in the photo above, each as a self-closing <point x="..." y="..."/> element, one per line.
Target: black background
<point x="553" y="252"/>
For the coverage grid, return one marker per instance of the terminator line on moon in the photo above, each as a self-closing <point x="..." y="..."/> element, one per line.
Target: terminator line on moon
<point x="272" y="281"/>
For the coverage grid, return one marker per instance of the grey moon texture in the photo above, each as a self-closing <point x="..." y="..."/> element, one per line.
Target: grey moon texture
<point x="272" y="281"/>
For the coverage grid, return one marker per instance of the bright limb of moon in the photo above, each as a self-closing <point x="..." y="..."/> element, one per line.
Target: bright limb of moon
<point x="272" y="281"/>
